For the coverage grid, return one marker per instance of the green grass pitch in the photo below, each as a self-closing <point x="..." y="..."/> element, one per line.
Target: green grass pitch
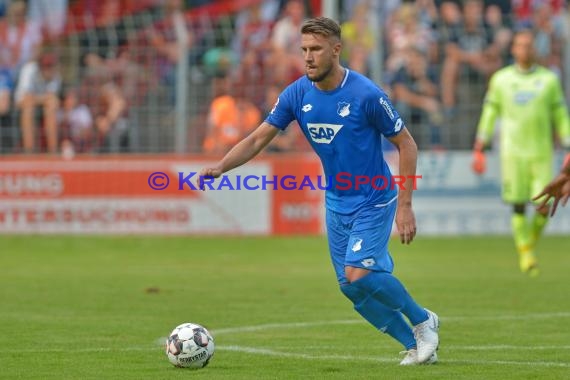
<point x="80" y="308"/>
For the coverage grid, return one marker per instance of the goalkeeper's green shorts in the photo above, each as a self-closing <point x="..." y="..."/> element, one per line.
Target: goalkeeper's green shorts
<point x="523" y="178"/>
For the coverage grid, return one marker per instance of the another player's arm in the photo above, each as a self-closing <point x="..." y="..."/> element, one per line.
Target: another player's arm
<point x="560" y="118"/>
<point x="558" y="189"/>
<point x="408" y="151"/>
<point x="486" y="126"/>
<point x="242" y="152"/>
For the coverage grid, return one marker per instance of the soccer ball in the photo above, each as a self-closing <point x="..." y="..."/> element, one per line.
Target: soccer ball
<point x="190" y="346"/>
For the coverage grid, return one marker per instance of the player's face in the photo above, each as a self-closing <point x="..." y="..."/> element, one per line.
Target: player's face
<point x="320" y="54"/>
<point x="523" y="49"/>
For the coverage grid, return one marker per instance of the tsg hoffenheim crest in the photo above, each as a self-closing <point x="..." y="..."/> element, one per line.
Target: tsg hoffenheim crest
<point x="343" y="109"/>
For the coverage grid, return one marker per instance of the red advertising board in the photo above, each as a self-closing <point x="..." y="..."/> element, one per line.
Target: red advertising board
<point x="113" y="195"/>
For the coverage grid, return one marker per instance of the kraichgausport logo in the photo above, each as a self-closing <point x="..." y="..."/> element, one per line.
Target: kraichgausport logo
<point x="342" y="181"/>
<point x="323" y="133"/>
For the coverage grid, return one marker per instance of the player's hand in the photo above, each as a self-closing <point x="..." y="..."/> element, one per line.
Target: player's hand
<point x="479" y="162"/>
<point x="207" y="173"/>
<point x="558" y="189"/>
<point x="406" y="223"/>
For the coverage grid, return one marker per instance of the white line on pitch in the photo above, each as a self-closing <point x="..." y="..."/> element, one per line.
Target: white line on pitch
<point x="270" y="326"/>
<point x="268" y="352"/>
<point x="447" y="348"/>
<point x="160" y="342"/>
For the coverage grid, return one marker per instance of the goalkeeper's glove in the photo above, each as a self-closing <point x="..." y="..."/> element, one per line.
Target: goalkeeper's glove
<point x="479" y="162"/>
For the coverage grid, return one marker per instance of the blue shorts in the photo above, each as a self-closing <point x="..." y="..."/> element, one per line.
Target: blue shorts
<point x="361" y="240"/>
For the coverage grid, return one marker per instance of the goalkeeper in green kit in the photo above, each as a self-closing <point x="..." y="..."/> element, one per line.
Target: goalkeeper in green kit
<point x="528" y="100"/>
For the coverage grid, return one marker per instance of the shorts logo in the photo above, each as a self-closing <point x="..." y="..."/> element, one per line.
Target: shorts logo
<point x="343" y="109"/>
<point x="357" y="246"/>
<point x="368" y="262"/>
<point x="322" y="133"/>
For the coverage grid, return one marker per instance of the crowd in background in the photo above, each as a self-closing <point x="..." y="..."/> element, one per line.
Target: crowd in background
<point x="435" y="59"/>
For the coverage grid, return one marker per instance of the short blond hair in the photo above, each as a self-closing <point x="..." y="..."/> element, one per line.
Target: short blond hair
<point x="323" y="26"/>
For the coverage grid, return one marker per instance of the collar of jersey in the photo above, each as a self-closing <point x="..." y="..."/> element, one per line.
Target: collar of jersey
<point x="334" y="89"/>
<point x="529" y="71"/>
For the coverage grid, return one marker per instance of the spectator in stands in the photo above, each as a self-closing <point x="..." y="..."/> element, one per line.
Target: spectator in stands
<point x="254" y="36"/>
<point x="406" y="32"/>
<point x="110" y="114"/>
<point x="525" y="9"/>
<point x="230" y="118"/>
<point x="39" y="84"/>
<point x="49" y="16"/>
<point x="416" y="96"/>
<point x="427" y="12"/>
<point x="286" y="39"/>
<point x="253" y="41"/>
<point x="358" y="39"/>
<point x="445" y="26"/>
<point x="132" y="78"/>
<point x="471" y="47"/>
<point x="75" y="123"/>
<point x="107" y="103"/>
<point x="501" y="33"/>
<point x="548" y="38"/>
<point x="166" y="38"/>
<point x="19" y="41"/>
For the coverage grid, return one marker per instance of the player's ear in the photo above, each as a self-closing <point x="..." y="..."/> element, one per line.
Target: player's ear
<point x="337" y="47"/>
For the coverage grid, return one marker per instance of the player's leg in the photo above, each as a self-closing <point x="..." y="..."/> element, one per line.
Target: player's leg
<point x="383" y="318"/>
<point x="369" y="267"/>
<point x="516" y="191"/>
<point x="522" y="236"/>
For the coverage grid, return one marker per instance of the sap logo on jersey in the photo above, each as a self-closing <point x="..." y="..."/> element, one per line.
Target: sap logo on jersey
<point x="323" y="133"/>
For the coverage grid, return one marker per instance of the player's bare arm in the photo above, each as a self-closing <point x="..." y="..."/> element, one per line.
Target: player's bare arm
<point x="242" y="152"/>
<point x="558" y="189"/>
<point x="405" y="219"/>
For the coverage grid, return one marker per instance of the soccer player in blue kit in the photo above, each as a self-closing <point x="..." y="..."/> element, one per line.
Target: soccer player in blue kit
<point x="344" y="115"/>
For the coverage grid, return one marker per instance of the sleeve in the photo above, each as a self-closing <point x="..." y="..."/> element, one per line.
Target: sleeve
<point x="560" y="114"/>
<point x="282" y="113"/>
<point x="491" y="110"/>
<point x="382" y="115"/>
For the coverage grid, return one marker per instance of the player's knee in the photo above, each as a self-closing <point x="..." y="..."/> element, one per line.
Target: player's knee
<point x="353" y="293"/>
<point x="354" y="274"/>
<point x="519" y="208"/>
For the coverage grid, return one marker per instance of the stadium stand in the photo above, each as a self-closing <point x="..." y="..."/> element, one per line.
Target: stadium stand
<point x="119" y="58"/>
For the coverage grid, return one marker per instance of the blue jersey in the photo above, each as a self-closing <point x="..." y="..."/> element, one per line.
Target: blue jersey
<point x="345" y="127"/>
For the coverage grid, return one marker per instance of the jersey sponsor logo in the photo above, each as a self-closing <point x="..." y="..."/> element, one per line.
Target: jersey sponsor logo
<point x="343" y="109"/>
<point x="274" y="106"/>
<point x="323" y="133"/>
<point x="523" y="97"/>
<point x="307" y="107"/>
<point x="357" y="246"/>
<point x="387" y="107"/>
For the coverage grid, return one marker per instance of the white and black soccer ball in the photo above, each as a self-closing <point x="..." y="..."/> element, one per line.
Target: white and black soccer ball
<point x="190" y="346"/>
